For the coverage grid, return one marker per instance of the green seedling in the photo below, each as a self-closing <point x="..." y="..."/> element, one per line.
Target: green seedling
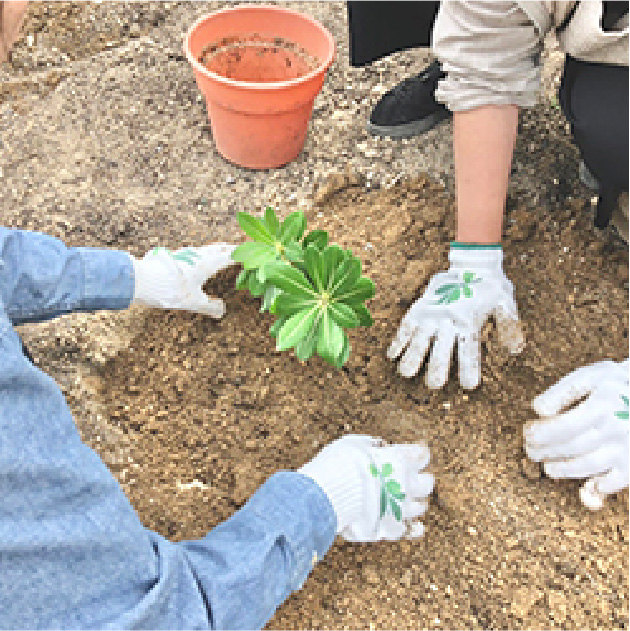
<point x="391" y="492"/>
<point x="316" y="290"/>
<point x="270" y="241"/>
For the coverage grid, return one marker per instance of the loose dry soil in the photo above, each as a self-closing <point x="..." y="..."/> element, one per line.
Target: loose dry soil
<point x="104" y="143"/>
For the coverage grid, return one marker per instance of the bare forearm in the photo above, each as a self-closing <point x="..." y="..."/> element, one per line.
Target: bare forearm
<point x="483" y="142"/>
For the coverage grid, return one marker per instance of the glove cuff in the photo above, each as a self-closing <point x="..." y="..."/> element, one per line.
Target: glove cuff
<point x="151" y="280"/>
<point x="343" y="491"/>
<point x="476" y="255"/>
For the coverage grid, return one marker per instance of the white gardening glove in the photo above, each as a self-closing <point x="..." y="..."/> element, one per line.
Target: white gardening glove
<point x="452" y="310"/>
<point x="377" y="490"/>
<point x="174" y="280"/>
<point x="590" y="440"/>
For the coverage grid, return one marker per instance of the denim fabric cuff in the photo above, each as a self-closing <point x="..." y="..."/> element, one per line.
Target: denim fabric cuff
<point x="108" y="279"/>
<point x="302" y="513"/>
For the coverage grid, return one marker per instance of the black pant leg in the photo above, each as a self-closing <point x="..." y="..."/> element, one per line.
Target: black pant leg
<point x="594" y="99"/>
<point x="380" y="28"/>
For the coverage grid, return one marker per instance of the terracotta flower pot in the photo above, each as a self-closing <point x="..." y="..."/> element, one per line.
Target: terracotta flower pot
<point x="260" y="68"/>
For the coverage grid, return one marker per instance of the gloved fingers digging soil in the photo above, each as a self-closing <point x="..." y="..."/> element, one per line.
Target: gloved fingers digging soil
<point x="378" y="491"/>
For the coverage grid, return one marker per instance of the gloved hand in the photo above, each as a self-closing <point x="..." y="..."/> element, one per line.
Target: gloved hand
<point x="174" y="280"/>
<point x="376" y="490"/>
<point x="453" y="309"/>
<point x="590" y="440"/>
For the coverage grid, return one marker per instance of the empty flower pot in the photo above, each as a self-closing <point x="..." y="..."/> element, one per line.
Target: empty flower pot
<point x="260" y="68"/>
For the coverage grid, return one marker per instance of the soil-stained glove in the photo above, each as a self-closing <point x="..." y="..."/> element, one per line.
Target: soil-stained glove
<point x="452" y="310"/>
<point x="590" y="440"/>
<point x="174" y="280"/>
<point x="377" y="490"/>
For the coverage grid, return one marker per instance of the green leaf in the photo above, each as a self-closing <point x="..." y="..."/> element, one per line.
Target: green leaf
<point x="395" y="509"/>
<point x="467" y="291"/>
<point x="296" y="328"/>
<point x="305" y="349"/>
<point x="393" y="486"/>
<point x="314" y="261"/>
<point x="289" y="279"/>
<point x="261" y="273"/>
<point x="269" y="298"/>
<point x="625" y="399"/>
<point x="276" y="326"/>
<point x="294" y="252"/>
<point x="468" y="277"/>
<point x="345" y="276"/>
<point x="373" y="470"/>
<point x="272" y="221"/>
<point x="345" y="353"/>
<point x="622" y="416"/>
<point x="399" y="496"/>
<point x="293" y="227"/>
<point x="255" y="229"/>
<point x="343" y="315"/>
<point x="288" y="304"/>
<point x="253" y="254"/>
<point x="363" y="290"/>
<point x="444" y="288"/>
<point x="333" y="257"/>
<point x="242" y="279"/>
<point x="318" y="238"/>
<point x="363" y="313"/>
<point x="330" y="339"/>
<point x="384" y="500"/>
<point x="256" y="288"/>
<point x="387" y="470"/>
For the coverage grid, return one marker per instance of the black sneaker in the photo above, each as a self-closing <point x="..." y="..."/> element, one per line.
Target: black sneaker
<point x="409" y="108"/>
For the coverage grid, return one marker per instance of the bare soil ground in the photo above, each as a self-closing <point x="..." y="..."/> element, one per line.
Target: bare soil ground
<point x="105" y="143"/>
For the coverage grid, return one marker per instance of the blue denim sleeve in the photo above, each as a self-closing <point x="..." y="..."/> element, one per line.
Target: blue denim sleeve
<point x="74" y="554"/>
<point x="41" y="278"/>
<point x="251" y="563"/>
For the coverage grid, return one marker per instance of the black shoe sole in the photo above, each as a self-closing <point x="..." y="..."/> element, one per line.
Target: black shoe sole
<point x="407" y="130"/>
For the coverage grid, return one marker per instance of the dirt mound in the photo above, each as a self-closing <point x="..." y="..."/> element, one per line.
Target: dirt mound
<point x="210" y="409"/>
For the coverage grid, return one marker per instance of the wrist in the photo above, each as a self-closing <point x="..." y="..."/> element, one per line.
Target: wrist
<point x="343" y="491"/>
<point x="485" y="255"/>
<point x="141" y="281"/>
<point x="156" y="280"/>
<point x="468" y="245"/>
<point x="108" y="279"/>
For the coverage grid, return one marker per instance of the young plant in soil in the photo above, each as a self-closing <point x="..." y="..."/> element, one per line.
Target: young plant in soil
<point x="315" y="289"/>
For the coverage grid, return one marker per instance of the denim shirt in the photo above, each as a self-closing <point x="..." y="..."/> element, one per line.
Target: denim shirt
<point x="73" y="553"/>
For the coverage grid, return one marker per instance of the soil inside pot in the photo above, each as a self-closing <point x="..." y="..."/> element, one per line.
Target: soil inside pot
<point x="257" y="58"/>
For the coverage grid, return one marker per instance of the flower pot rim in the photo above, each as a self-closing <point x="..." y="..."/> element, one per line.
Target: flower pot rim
<point x="258" y="85"/>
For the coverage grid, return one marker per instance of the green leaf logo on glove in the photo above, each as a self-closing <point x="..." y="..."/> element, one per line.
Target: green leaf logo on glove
<point x="391" y="492"/>
<point x="186" y="255"/>
<point x="452" y="292"/>
<point x="314" y="288"/>
<point x="623" y="414"/>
